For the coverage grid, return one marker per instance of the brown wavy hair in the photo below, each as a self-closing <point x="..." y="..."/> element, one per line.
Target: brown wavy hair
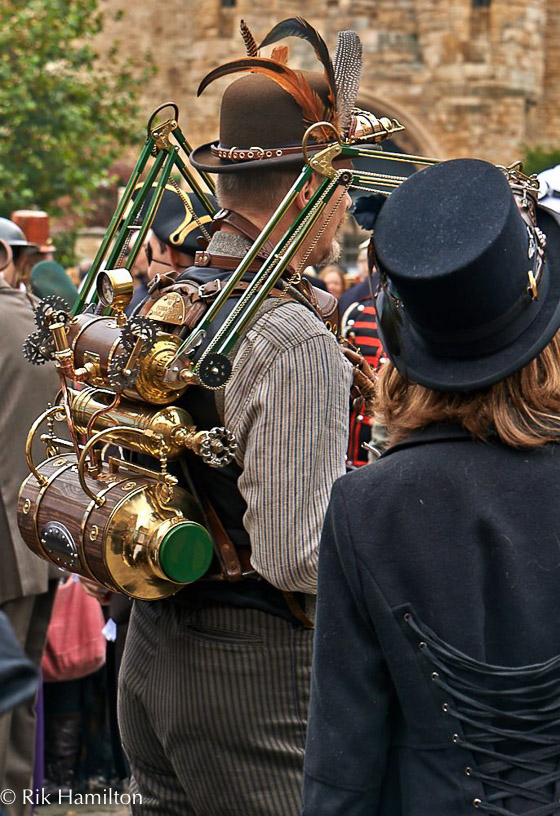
<point x="523" y="409"/>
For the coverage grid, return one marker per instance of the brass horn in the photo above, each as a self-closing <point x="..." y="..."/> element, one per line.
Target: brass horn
<point x="5" y="255"/>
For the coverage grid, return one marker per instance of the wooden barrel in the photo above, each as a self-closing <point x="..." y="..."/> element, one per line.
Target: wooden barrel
<point x="115" y="543"/>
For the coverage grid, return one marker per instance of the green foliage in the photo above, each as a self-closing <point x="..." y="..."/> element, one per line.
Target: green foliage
<point x="65" y="242"/>
<point x="65" y="111"/>
<point x="536" y="159"/>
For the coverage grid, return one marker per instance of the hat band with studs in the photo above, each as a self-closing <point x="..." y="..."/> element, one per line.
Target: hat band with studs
<point x="256" y="153"/>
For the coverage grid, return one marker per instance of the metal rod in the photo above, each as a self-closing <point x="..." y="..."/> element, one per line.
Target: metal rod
<point x="246" y="262"/>
<point x="357" y="152"/>
<point x="271" y="270"/>
<point x="195" y="186"/>
<point x="180" y="137"/>
<point x="372" y="179"/>
<point x="139" y="200"/>
<point x="115" y="221"/>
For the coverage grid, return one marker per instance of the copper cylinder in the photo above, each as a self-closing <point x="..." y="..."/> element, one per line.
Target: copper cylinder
<point x="96" y="341"/>
<point x="169" y="423"/>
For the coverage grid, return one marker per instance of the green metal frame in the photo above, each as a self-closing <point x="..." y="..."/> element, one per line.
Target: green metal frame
<point x="279" y="259"/>
<point x="167" y="158"/>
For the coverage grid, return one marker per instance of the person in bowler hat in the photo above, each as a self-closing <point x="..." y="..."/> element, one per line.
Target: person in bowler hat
<point x="436" y="676"/>
<point x="214" y="685"/>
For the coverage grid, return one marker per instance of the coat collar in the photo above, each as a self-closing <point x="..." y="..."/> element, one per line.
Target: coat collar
<point x="438" y="432"/>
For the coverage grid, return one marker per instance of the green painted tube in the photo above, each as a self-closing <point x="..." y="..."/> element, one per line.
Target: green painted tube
<point x="113" y="226"/>
<point x="237" y="275"/>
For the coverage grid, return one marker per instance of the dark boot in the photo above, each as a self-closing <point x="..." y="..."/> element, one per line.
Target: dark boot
<point x="62" y="750"/>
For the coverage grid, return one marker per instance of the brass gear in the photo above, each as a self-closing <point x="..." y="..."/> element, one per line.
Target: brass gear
<point x="117" y="374"/>
<point x="48" y="305"/>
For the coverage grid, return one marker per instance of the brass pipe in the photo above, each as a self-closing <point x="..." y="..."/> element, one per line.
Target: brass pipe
<point x="88" y="449"/>
<point x="173" y="425"/>
<point x="31" y="436"/>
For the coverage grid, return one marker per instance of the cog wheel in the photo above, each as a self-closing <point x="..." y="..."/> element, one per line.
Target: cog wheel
<point x="218" y="447"/>
<point x="38" y="349"/>
<point x="139" y="328"/>
<point x="119" y="377"/>
<point x="48" y="305"/>
<point x="214" y="371"/>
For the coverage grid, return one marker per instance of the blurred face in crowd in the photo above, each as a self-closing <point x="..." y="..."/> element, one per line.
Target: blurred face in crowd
<point x="158" y="261"/>
<point x="333" y="279"/>
<point x="18" y="270"/>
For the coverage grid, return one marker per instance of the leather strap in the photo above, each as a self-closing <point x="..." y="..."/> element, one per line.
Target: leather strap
<point x="243" y="226"/>
<point x="212" y="288"/>
<point x="227" y="262"/>
<point x="225" y="551"/>
<point x="257" y="153"/>
<point x="296" y="610"/>
<point x="162" y="281"/>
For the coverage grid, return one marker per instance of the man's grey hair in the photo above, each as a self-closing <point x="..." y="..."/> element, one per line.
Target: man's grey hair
<point x="258" y="189"/>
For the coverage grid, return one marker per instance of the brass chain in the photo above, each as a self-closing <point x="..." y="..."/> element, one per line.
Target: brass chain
<point x="185" y="199"/>
<point x="370" y="189"/>
<point x="134" y="227"/>
<point x="318" y="236"/>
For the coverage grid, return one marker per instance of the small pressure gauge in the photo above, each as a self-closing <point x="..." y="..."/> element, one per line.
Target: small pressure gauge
<point x="115" y="288"/>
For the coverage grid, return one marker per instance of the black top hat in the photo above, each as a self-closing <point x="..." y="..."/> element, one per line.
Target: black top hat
<point x="468" y="297"/>
<point x="174" y="223"/>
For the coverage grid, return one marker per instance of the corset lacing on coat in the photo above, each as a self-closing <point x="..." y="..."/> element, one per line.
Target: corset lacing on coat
<point x="509" y="721"/>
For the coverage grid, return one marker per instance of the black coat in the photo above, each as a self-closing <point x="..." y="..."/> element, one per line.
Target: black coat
<point x="439" y="571"/>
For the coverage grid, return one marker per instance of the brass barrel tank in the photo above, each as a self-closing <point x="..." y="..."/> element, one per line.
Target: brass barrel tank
<point x="96" y="343"/>
<point x="130" y="532"/>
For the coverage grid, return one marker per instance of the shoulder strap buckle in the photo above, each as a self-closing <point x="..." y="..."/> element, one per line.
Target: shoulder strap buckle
<point x="210" y="289"/>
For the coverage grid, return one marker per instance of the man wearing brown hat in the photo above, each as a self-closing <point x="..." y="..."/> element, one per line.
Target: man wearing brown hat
<point x="214" y="686"/>
<point x="26" y="594"/>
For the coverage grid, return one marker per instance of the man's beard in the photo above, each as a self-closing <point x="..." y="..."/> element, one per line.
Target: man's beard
<point x="332" y="253"/>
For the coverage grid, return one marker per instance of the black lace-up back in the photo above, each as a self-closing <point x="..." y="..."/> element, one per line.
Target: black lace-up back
<point x="507" y="718"/>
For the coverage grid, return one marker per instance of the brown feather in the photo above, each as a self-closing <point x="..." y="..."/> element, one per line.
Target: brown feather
<point x="293" y="82"/>
<point x="280" y="54"/>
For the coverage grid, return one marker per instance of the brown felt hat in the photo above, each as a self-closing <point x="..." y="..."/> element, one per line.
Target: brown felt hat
<point x="261" y="125"/>
<point x="36" y="226"/>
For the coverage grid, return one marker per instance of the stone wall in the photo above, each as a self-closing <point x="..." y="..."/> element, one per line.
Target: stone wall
<point x="466" y="78"/>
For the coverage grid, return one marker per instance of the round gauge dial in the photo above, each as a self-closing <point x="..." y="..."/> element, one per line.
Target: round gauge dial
<point x="115" y="287"/>
<point x="105" y="289"/>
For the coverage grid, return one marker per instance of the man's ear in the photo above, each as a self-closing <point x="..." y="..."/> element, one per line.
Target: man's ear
<point x="305" y="194"/>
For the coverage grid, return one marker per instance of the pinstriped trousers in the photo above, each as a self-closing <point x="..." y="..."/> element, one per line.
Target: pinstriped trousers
<point x="212" y="711"/>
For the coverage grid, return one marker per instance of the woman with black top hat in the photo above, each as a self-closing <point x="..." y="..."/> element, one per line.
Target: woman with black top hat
<point x="436" y="680"/>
